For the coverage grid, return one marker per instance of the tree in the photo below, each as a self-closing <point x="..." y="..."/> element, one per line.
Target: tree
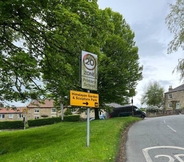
<point x="119" y="69"/>
<point x="85" y="31"/>
<point x="118" y="58"/>
<point x="31" y="31"/>
<point x="175" y="21"/>
<point x="22" y="40"/>
<point x="41" y="42"/>
<point x="153" y="95"/>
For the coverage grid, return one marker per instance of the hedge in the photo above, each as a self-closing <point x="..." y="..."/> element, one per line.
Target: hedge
<point x="37" y="122"/>
<point x="11" y="125"/>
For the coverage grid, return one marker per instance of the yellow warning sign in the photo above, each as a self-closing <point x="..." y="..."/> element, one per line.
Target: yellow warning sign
<point x="84" y="99"/>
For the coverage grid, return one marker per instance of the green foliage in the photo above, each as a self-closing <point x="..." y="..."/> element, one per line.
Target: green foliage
<point x="152" y="109"/>
<point x="72" y="118"/>
<point x="68" y="111"/>
<point x="46" y="121"/>
<point x="37" y="122"/>
<point x="21" y="48"/>
<point x="65" y="141"/>
<point x="11" y="125"/>
<point x="175" y="21"/>
<point x="119" y="69"/>
<point x="153" y="95"/>
<point x="142" y="109"/>
<point x="42" y="41"/>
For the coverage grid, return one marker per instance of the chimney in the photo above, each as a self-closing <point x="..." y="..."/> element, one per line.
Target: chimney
<point x="170" y="88"/>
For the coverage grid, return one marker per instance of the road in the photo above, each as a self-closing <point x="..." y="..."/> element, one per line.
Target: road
<point x="159" y="139"/>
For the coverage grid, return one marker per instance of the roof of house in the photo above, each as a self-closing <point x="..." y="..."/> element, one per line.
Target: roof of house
<point x="4" y="110"/>
<point x="179" y="88"/>
<point x="41" y="104"/>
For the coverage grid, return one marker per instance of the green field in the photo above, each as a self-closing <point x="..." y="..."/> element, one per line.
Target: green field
<point x="64" y="142"/>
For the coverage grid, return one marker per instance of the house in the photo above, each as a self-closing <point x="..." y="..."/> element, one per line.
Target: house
<point x="174" y="99"/>
<point x="11" y="114"/>
<point x="46" y="109"/>
<point x="41" y="109"/>
<point x="37" y="109"/>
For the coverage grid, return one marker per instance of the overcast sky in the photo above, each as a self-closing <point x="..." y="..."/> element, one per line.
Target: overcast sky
<point x="147" y="20"/>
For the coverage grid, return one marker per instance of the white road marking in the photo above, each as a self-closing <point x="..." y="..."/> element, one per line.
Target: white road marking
<point x="164" y="121"/>
<point x="178" y="157"/>
<point x="148" y="157"/>
<point x="169" y="157"/>
<point x="171" y="128"/>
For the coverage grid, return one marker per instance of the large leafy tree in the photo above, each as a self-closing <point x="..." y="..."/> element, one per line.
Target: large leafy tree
<point x="175" y="21"/>
<point x="34" y="32"/>
<point x="42" y="41"/>
<point x="86" y="30"/>
<point x="153" y="95"/>
<point x="119" y="68"/>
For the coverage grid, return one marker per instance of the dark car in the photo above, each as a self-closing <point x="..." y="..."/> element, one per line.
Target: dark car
<point x="127" y="110"/>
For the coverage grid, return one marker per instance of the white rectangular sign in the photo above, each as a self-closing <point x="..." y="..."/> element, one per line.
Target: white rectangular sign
<point x="89" y="71"/>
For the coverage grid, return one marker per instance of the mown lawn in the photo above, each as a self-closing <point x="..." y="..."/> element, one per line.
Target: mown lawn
<point x="64" y="142"/>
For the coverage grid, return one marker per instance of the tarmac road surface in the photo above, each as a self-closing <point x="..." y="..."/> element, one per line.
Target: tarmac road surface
<point x="158" y="139"/>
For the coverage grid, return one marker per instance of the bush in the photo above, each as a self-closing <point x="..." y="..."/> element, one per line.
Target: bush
<point x="68" y="111"/>
<point x="12" y="125"/>
<point x="46" y="121"/>
<point x="72" y="118"/>
<point x="37" y="122"/>
<point x="152" y="109"/>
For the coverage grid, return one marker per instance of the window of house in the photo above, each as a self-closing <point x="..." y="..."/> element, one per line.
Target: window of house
<point x="37" y="110"/>
<point x="11" y="116"/>
<point x="20" y="115"/>
<point x="2" y="116"/>
<point x="53" y="110"/>
<point x="36" y="117"/>
<point x="170" y="104"/>
<point x="170" y="95"/>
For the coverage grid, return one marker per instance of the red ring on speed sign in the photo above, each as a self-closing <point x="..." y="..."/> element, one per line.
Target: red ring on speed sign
<point x="89" y="61"/>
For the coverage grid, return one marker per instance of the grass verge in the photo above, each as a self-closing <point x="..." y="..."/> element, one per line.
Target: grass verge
<point x="65" y="142"/>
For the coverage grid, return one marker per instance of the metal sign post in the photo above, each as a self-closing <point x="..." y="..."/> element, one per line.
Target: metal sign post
<point x="88" y="128"/>
<point x="62" y="111"/>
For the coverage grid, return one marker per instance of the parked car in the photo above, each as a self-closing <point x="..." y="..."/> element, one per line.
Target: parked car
<point x="127" y="110"/>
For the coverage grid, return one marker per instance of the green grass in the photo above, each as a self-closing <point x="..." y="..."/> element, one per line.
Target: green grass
<point x="64" y="142"/>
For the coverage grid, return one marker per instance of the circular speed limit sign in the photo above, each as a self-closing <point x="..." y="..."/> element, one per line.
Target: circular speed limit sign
<point x="89" y="61"/>
<point x="89" y="70"/>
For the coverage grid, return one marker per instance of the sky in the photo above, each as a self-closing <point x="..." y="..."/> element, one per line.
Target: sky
<point x="147" y="20"/>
